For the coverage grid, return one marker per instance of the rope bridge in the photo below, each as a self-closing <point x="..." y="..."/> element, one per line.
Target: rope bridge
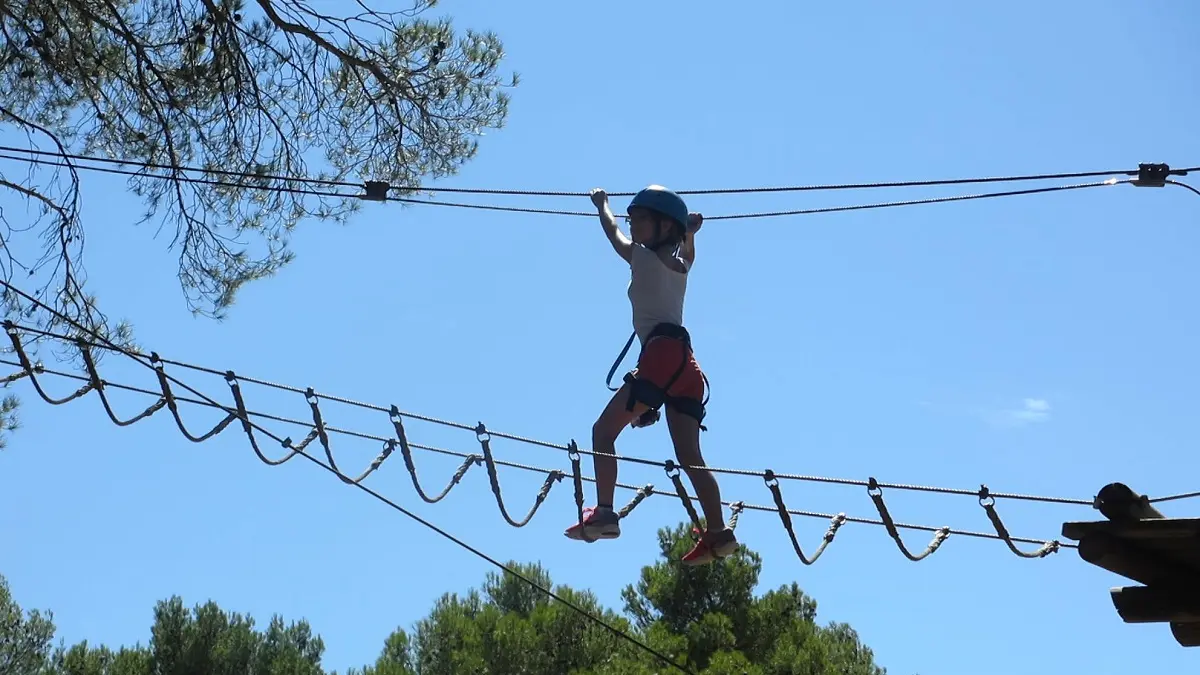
<point x="167" y="395"/>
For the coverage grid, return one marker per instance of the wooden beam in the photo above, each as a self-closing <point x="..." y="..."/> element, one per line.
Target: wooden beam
<point x="1117" y="556"/>
<point x="1186" y="634"/>
<point x="1151" y="529"/>
<point x="1157" y="604"/>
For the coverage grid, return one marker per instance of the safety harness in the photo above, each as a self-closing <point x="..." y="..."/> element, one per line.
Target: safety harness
<point x="644" y="391"/>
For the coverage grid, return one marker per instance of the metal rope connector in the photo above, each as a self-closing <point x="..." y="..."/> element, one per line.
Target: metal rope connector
<point x="1153" y="175"/>
<point x="376" y="190"/>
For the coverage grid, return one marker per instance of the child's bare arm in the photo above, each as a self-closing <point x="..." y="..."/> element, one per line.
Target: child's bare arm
<point x="620" y="243"/>
<point x="687" y="248"/>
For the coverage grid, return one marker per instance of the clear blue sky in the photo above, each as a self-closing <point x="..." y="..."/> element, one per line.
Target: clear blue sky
<point x="896" y="343"/>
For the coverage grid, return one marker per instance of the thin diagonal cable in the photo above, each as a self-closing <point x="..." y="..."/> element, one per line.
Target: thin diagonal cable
<point x="922" y="202"/>
<point x="562" y="447"/>
<point x="1184" y="185"/>
<point x="1172" y="498"/>
<point x="587" y="214"/>
<point x="212" y="403"/>
<point x="557" y="193"/>
<point x="184" y="179"/>
<point x="642" y="490"/>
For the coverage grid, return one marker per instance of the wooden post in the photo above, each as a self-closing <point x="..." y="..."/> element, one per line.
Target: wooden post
<point x="1119" y="503"/>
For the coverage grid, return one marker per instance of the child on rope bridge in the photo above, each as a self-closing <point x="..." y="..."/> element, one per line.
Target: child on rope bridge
<point x="660" y="255"/>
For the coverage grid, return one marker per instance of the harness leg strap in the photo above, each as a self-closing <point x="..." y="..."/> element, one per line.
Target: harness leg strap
<point x="643" y="391"/>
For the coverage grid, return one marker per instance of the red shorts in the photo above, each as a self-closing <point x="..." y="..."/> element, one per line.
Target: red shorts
<point x="660" y="359"/>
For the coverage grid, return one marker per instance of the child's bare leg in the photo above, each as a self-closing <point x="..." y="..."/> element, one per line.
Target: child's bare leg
<point x="685" y="434"/>
<point x="602" y="522"/>
<point x="608" y="426"/>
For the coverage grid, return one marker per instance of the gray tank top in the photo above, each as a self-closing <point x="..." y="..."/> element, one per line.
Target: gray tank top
<point x="655" y="291"/>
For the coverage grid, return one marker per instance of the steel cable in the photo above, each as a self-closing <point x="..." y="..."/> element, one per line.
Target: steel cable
<point x="375" y="191"/>
<point x="558" y="193"/>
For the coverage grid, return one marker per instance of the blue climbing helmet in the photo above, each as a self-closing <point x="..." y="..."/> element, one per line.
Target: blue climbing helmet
<point x="664" y="202"/>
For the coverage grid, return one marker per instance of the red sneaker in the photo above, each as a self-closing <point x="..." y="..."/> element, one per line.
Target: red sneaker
<point x="597" y="524"/>
<point x="712" y="546"/>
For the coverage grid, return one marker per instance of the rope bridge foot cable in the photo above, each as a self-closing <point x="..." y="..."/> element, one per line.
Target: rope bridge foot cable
<point x="835" y="523"/>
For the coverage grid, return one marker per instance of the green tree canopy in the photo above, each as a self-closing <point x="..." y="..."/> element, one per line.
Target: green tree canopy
<point x="371" y="90"/>
<point x="25" y="639"/>
<point x="706" y="618"/>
